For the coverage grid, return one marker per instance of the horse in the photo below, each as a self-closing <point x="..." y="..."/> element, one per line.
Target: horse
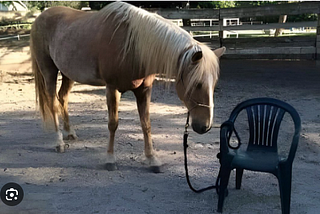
<point x="121" y="47"/>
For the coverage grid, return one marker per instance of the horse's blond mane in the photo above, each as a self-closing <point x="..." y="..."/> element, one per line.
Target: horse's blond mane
<point x="160" y="46"/>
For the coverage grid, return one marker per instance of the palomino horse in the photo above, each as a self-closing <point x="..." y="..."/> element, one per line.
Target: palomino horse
<point x="120" y="47"/>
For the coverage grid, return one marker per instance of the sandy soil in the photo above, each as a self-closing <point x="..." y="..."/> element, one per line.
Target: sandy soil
<point x="76" y="181"/>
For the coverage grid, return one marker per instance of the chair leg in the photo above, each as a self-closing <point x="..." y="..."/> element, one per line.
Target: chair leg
<point x="239" y="173"/>
<point x="285" y="176"/>
<point x="224" y="180"/>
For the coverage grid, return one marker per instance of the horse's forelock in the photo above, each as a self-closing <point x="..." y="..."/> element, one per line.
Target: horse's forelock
<point x="199" y="72"/>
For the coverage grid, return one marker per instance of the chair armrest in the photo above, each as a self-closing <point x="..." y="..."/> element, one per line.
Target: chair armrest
<point x="293" y="148"/>
<point x="226" y="130"/>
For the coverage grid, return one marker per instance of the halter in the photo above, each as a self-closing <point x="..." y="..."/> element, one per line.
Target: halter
<point x="196" y="103"/>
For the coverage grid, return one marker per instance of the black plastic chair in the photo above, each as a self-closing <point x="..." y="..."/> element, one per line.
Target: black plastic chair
<point x="264" y="119"/>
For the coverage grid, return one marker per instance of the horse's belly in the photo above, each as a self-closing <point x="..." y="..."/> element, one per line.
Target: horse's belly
<point x="93" y="82"/>
<point x="79" y="68"/>
<point x="77" y="61"/>
<point x="84" y="76"/>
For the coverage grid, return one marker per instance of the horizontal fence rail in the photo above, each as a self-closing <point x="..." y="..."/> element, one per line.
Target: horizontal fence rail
<point x="187" y="13"/>
<point x="267" y="47"/>
<point x="272" y="10"/>
<point x="13" y="37"/>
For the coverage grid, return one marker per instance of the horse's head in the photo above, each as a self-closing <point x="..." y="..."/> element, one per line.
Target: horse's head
<point x="198" y="74"/>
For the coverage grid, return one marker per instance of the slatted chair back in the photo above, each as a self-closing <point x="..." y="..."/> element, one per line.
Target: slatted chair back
<point x="264" y="118"/>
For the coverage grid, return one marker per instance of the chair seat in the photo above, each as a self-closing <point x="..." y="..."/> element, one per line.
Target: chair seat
<point x="256" y="160"/>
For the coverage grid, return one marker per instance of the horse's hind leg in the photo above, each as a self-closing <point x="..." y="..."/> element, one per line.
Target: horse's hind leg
<point x="68" y="131"/>
<point x="143" y="96"/>
<point x="46" y="74"/>
<point x="113" y="99"/>
<point x="53" y="106"/>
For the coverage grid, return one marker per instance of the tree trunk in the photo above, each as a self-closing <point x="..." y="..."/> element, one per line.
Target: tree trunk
<point x="282" y="19"/>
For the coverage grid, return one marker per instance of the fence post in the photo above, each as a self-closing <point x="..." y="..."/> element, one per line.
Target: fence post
<point x="186" y="22"/>
<point x="318" y="41"/>
<point x="221" y="29"/>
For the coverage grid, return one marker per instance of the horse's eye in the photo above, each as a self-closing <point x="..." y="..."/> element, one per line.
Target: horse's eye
<point x="199" y="86"/>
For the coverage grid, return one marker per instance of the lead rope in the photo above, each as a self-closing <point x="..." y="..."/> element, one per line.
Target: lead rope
<point x="185" y="147"/>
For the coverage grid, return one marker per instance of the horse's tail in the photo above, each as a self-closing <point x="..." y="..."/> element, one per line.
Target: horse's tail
<point x="42" y="96"/>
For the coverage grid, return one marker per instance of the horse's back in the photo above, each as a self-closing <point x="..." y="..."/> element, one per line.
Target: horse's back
<point x="54" y="15"/>
<point x="66" y="36"/>
<point x="48" y="22"/>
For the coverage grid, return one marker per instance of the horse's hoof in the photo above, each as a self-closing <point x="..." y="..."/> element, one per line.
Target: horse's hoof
<point x="156" y="169"/>
<point x="70" y="137"/>
<point x="62" y="148"/>
<point x="111" y="166"/>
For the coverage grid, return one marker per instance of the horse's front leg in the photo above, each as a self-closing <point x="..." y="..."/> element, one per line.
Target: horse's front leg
<point x="113" y="99"/>
<point x="143" y="96"/>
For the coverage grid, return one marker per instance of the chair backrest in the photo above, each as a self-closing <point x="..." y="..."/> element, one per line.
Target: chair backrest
<point x="264" y="118"/>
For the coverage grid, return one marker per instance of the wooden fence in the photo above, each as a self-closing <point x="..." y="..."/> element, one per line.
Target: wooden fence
<point x="284" y="47"/>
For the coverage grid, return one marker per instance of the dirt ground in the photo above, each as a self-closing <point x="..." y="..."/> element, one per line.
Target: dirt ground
<point x="76" y="181"/>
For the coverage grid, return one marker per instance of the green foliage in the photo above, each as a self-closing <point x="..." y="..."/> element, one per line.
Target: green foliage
<point x="257" y="3"/>
<point x="212" y="4"/>
<point x="6" y="3"/>
<point x="303" y="17"/>
<point x="229" y="4"/>
<point x="97" y="5"/>
<point x="267" y="19"/>
<point x="41" y="5"/>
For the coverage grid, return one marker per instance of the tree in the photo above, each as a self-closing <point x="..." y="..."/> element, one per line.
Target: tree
<point x="41" y="5"/>
<point x="212" y="4"/>
<point x="281" y="19"/>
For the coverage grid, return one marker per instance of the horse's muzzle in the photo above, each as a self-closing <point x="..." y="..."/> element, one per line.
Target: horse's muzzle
<point x="200" y="129"/>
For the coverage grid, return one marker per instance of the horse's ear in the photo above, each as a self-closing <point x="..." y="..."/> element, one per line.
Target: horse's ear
<point x="197" y="55"/>
<point x="220" y="51"/>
